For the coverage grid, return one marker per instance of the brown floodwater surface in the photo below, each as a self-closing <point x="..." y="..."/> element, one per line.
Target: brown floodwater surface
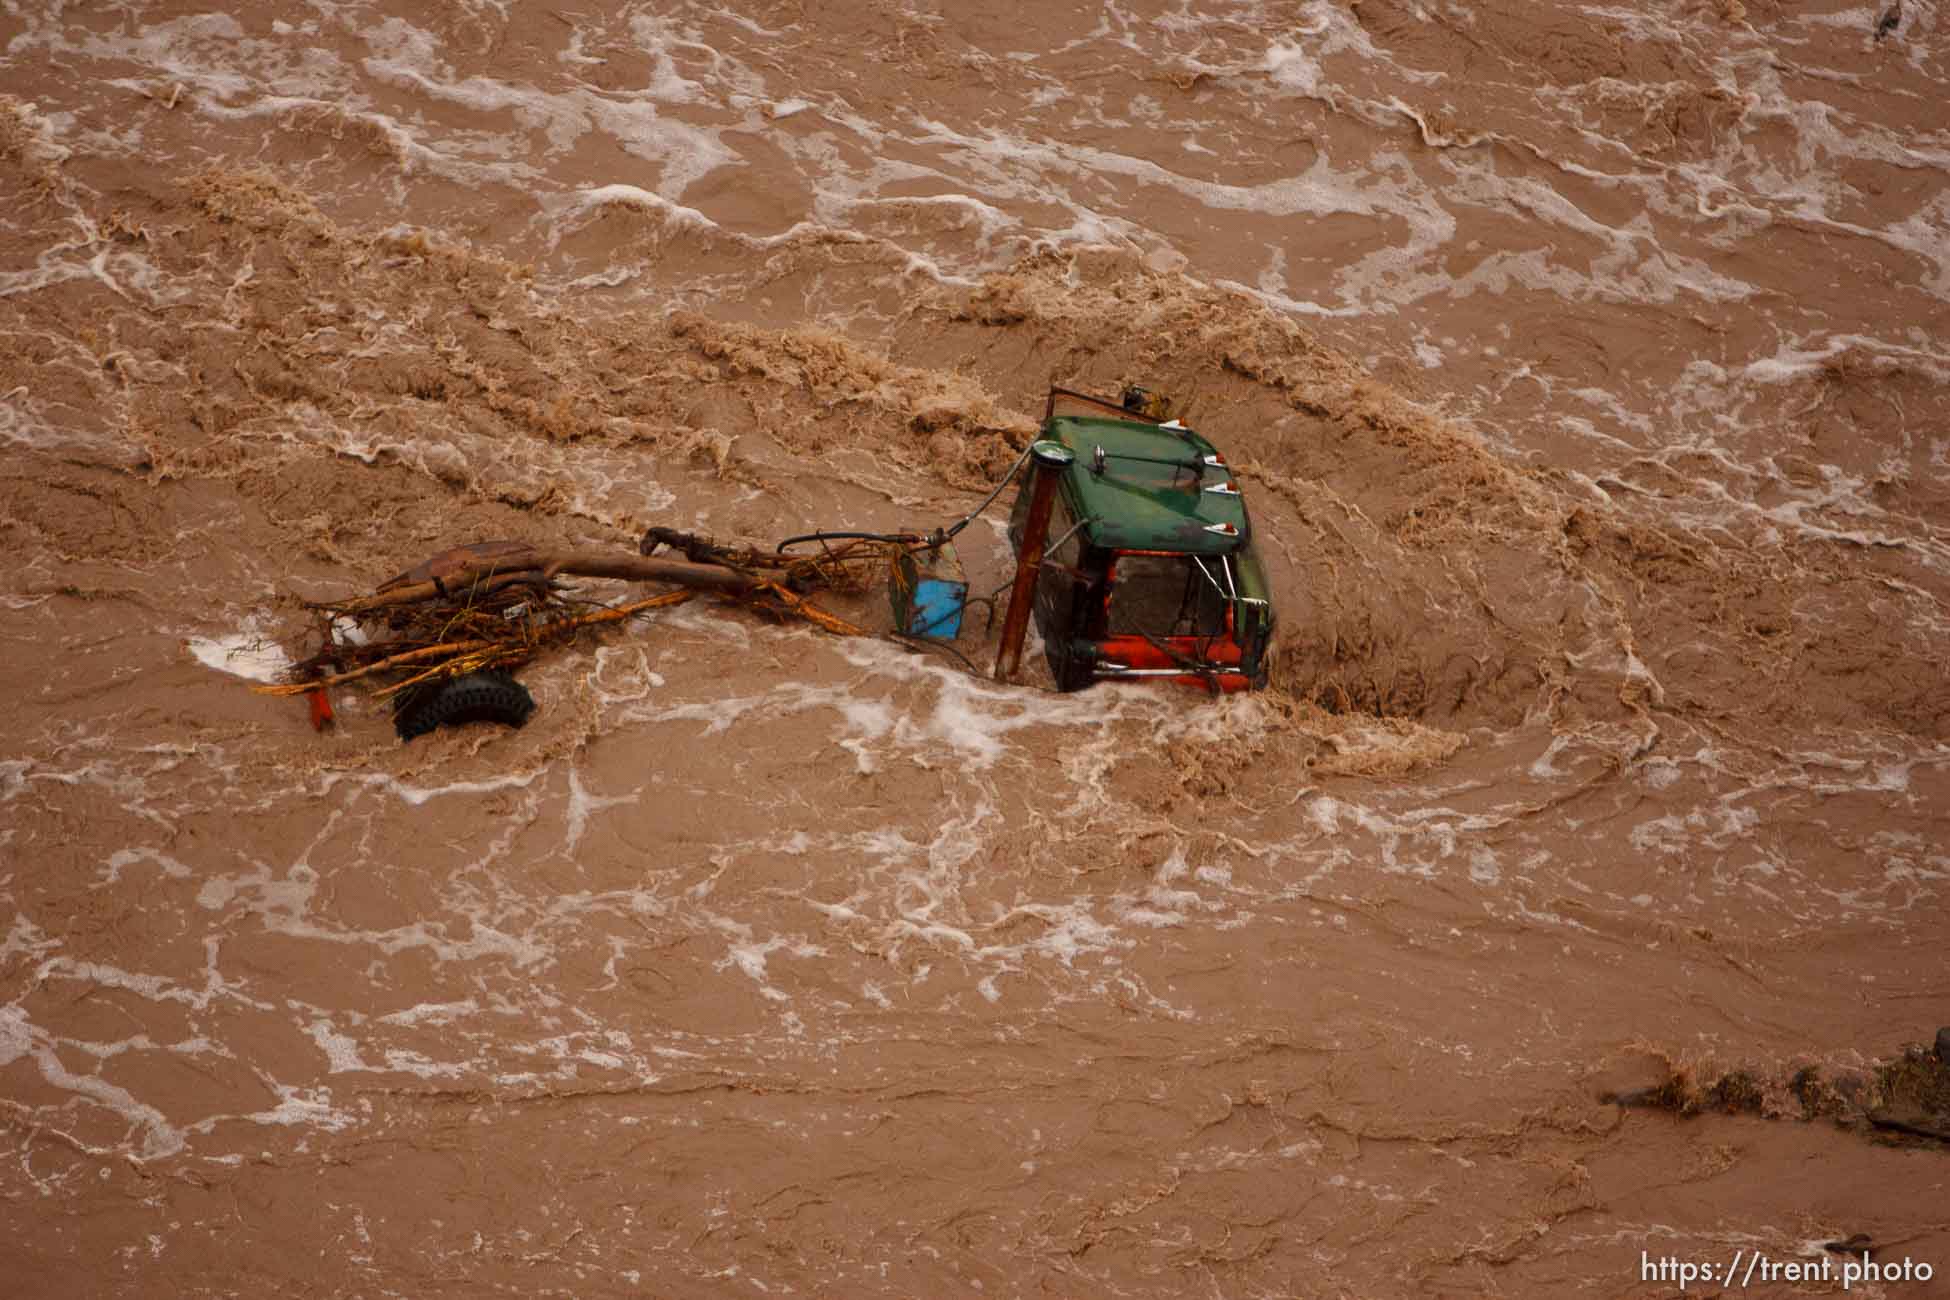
<point x="1588" y="371"/>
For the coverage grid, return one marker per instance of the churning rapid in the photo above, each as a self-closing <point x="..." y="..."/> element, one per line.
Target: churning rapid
<point x="1575" y="897"/>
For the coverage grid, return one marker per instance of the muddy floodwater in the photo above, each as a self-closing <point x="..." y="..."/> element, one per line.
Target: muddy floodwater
<point x="1552" y="921"/>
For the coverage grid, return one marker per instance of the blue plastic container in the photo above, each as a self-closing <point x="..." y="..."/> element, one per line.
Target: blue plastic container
<point x="929" y="591"/>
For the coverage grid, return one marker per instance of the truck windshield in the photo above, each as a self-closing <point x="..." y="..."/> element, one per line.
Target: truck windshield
<point x="1167" y="595"/>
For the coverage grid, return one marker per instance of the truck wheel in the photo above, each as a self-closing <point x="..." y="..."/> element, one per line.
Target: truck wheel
<point x="476" y="697"/>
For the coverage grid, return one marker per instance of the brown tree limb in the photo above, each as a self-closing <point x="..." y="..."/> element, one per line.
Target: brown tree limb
<point x="547" y="564"/>
<point x="445" y="649"/>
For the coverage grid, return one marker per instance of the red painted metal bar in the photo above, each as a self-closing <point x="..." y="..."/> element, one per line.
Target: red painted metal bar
<point x="1050" y="460"/>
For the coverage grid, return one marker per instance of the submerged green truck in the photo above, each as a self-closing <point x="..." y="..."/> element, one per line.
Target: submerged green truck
<point x="1148" y="568"/>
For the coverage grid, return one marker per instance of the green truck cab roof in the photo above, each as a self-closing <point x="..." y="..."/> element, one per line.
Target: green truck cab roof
<point x="1155" y="487"/>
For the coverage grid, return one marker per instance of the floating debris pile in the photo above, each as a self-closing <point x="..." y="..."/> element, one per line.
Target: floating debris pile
<point x="491" y="607"/>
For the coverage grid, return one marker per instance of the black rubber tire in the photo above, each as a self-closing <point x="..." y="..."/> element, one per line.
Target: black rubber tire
<point x="478" y="697"/>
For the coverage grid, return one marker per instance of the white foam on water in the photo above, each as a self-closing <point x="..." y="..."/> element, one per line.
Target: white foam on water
<point x="602" y="482"/>
<point x="972" y="718"/>
<point x="406" y="1061"/>
<point x="244" y="653"/>
<point x="946" y="715"/>
<point x="201" y="52"/>
<point x="46" y="274"/>
<point x="580" y="204"/>
<point x="955" y="211"/>
<point x="582" y="806"/>
<point x="111" y="872"/>
<point x="297" y="1107"/>
<point x="342" y="1054"/>
<point x="1805" y="510"/>
<point x="1545" y="767"/>
<point x="416" y="795"/>
<point x="438" y="1013"/>
<point x="749" y="955"/>
<point x="1799" y="358"/>
<point x="1071" y="932"/>
<point x="155" y="988"/>
<point x="467" y="158"/>
<point x="1425" y="842"/>
<point x="1324" y="31"/>
<point x="1162" y="904"/>
<point x="25" y="939"/>
<point x="1322" y="190"/>
<point x="910" y="892"/>
<point x="284" y="905"/>
<point x="409" y="58"/>
<point x="20" y="1038"/>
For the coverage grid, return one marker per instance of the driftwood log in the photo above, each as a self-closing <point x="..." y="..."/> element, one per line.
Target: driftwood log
<point x="490" y="566"/>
